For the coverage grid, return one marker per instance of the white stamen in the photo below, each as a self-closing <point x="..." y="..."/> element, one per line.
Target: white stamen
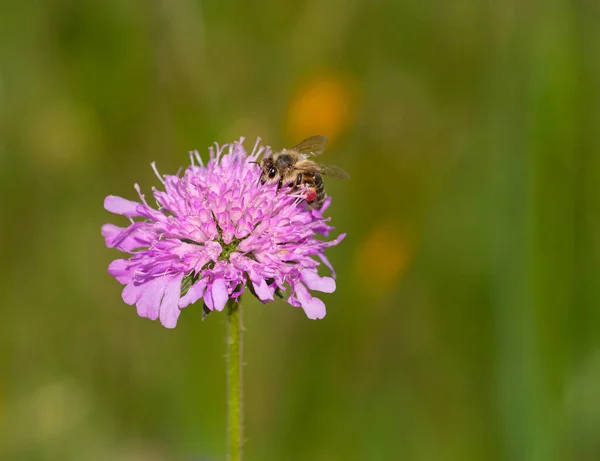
<point x="198" y="158"/>
<point x="255" y="147"/>
<point x="220" y="149"/>
<point x="191" y="157"/>
<point x="153" y="164"/>
<point x="139" y="191"/>
<point x="229" y="146"/>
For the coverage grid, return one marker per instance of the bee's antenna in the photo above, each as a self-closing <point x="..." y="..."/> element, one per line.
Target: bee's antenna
<point x="254" y="162"/>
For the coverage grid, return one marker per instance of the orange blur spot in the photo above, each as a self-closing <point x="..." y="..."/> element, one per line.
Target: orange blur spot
<point x="322" y="106"/>
<point x="383" y="257"/>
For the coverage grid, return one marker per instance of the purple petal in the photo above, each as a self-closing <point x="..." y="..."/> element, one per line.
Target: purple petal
<point x="131" y="293"/>
<point x="316" y="282"/>
<point x="208" y="298"/>
<point x="169" y="309"/>
<point x="236" y="294"/>
<point x="235" y="214"/>
<point x="314" y="308"/>
<point x="219" y="294"/>
<point x="326" y="204"/>
<point x="194" y="294"/>
<point x="127" y="239"/>
<point x="213" y="250"/>
<point x="263" y="291"/>
<point x="339" y="238"/>
<point x="109" y="232"/>
<point x="294" y="301"/>
<point x="149" y="303"/>
<point x="119" y="269"/>
<point x="119" y="205"/>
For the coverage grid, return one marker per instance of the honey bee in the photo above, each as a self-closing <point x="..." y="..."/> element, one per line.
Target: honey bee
<point x="292" y="167"/>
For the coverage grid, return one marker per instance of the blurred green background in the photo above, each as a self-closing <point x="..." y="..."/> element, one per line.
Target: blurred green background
<point x="466" y="323"/>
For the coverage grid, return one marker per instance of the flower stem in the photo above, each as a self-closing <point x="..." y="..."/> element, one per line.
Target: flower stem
<point x="234" y="381"/>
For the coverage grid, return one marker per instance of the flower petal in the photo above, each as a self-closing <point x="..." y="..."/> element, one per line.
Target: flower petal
<point x="294" y="301"/>
<point x="316" y="282"/>
<point x="326" y="204"/>
<point x="169" y="309"/>
<point x="149" y="303"/>
<point x="131" y="293"/>
<point x="109" y="232"/>
<point x="208" y="299"/>
<point x="119" y="269"/>
<point x="194" y="294"/>
<point x="219" y="294"/>
<point x="127" y="239"/>
<point x="314" y="308"/>
<point x="263" y="291"/>
<point x="119" y="205"/>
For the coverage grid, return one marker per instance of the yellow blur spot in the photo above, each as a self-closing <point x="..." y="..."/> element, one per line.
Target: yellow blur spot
<point x="382" y="258"/>
<point x="322" y="106"/>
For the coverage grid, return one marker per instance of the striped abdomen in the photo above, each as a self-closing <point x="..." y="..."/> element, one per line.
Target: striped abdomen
<point x="313" y="182"/>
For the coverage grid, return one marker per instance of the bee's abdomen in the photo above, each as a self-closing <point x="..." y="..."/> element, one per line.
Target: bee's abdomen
<point x="308" y="180"/>
<point x="320" y="190"/>
<point x="318" y="181"/>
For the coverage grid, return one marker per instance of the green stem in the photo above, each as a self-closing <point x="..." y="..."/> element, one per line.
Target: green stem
<point x="234" y="381"/>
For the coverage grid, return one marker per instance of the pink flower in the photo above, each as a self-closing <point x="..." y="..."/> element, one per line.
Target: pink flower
<point x="217" y="230"/>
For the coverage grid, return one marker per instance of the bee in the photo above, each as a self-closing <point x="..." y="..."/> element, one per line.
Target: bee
<point x="293" y="167"/>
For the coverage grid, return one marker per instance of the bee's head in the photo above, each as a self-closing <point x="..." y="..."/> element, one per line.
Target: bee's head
<point x="269" y="173"/>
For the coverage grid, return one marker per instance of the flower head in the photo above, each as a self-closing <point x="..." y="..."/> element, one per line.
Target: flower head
<point x="216" y="231"/>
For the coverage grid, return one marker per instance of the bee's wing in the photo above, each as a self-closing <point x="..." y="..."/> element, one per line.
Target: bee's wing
<point x="327" y="170"/>
<point x="333" y="171"/>
<point x="311" y="147"/>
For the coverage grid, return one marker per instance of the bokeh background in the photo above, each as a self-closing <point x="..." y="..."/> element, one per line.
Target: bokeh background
<point x="466" y="323"/>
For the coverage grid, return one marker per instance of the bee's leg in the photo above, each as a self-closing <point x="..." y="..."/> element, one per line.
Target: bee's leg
<point x="279" y="184"/>
<point x="298" y="182"/>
